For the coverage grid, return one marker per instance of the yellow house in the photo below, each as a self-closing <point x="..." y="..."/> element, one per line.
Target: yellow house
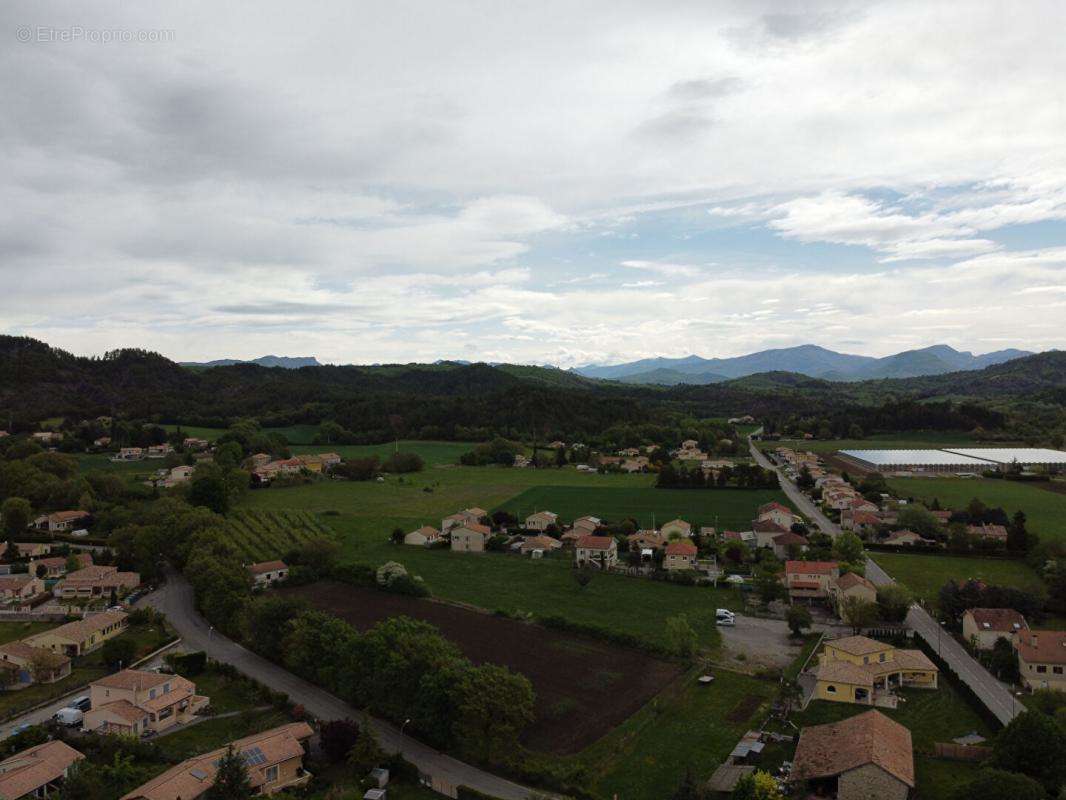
<point x="857" y="669"/>
<point x="133" y="701"/>
<point x="83" y="636"/>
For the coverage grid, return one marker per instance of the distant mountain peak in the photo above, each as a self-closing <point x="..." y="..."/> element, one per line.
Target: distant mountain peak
<point x="285" y="362"/>
<point x="811" y="360"/>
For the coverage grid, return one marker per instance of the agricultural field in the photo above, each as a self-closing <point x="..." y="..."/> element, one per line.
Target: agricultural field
<point x="584" y="687"/>
<point x="688" y="726"/>
<point x="925" y="574"/>
<point x="363" y="514"/>
<point x="265" y="535"/>
<point x="433" y="453"/>
<point x="1045" y="510"/>
<point x="723" y="508"/>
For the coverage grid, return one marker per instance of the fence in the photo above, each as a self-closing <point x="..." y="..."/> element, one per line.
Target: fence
<point x="961" y="752"/>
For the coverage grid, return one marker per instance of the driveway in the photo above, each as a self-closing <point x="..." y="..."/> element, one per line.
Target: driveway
<point x="761" y="642"/>
<point x="175" y="599"/>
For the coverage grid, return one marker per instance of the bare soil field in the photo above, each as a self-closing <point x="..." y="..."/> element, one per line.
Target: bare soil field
<point x="584" y="687"/>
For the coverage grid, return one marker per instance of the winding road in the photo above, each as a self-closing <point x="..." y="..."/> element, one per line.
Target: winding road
<point x="996" y="697"/>
<point x="175" y="599"/>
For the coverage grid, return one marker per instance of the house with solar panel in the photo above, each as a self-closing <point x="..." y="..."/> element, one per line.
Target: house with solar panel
<point x="134" y="702"/>
<point x="273" y="759"/>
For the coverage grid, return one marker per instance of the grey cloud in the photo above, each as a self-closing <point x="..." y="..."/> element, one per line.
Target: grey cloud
<point x="676" y="126"/>
<point x="281" y="307"/>
<point x="704" y="88"/>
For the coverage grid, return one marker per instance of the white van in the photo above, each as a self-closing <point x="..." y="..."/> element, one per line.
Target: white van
<point x="723" y="616"/>
<point x="71" y="717"/>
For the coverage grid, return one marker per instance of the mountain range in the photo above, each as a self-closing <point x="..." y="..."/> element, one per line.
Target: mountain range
<point x="286" y="362"/>
<point x="808" y="359"/>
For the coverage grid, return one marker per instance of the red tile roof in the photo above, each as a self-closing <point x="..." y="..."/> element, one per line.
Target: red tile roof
<point x="682" y="548"/>
<point x="870" y="738"/>
<point x="1042" y="647"/>
<point x="1002" y="620"/>
<point x="767" y="526"/>
<point x="595" y="542"/>
<point x="811" y="567"/>
<point x="264" y="567"/>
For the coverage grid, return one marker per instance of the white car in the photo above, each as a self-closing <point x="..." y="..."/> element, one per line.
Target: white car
<point x="71" y="717"/>
<point x="723" y="616"/>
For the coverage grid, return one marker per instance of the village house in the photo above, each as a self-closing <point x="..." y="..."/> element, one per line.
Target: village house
<point x="766" y="530"/>
<point x="983" y="627"/>
<point x="102" y="441"/>
<point x="133" y="702"/>
<point x="810" y="580"/>
<point x="129" y="454"/>
<point x="423" y="537"/>
<point x="776" y="512"/>
<point x="860" y="503"/>
<point x="1042" y="658"/>
<point x="83" y="636"/>
<point x="96" y="581"/>
<point x="996" y="533"/>
<point x="47" y="437"/>
<point x="851" y="584"/>
<point x="786" y="544"/>
<point x="860" y="758"/>
<point x="60" y="521"/>
<point x="31" y="664"/>
<point x="178" y="475"/>
<point x="20" y="587"/>
<point x="857" y="669"/>
<point x="470" y="537"/>
<point x="743" y="537"/>
<point x="267" y="573"/>
<point x="32" y="549"/>
<point x="310" y="462"/>
<point x="859" y="521"/>
<point x="573" y="536"/>
<point x="541" y="520"/>
<point x="329" y="459"/>
<point x="195" y="443"/>
<point x="646" y="540"/>
<point x="532" y="545"/>
<point x="676" y="528"/>
<point x="38" y="771"/>
<point x="466" y="516"/>
<point x="907" y="538"/>
<point x="587" y="524"/>
<point x="596" y="551"/>
<point x="158" y="451"/>
<point x="273" y="758"/>
<point x="680" y="555"/>
<point x="638" y="464"/>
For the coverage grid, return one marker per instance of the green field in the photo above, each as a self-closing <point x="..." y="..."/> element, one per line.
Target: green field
<point x="686" y="727"/>
<point x="1045" y="510"/>
<point x="265" y="535"/>
<point x="364" y="513"/>
<point x="723" y="508"/>
<point x="433" y="453"/>
<point x="925" y="574"/>
<point x="128" y="469"/>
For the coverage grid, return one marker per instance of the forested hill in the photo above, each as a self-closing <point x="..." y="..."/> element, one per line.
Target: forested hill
<point x="449" y="399"/>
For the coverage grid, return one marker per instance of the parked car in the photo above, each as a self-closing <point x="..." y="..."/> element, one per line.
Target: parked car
<point x="71" y="717"/>
<point x="25" y="726"/>
<point x="723" y="616"/>
<point x="82" y="703"/>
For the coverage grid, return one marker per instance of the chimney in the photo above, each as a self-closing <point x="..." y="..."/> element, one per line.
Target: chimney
<point x="1034" y="639"/>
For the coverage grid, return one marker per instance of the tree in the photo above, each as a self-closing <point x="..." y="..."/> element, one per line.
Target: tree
<point x="1018" y="538"/>
<point x="266" y="621"/>
<point x="17" y="513"/>
<point x="758" y="785"/>
<point x="681" y="636"/>
<point x="768" y="585"/>
<point x="209" y="491"/>
<point x="997" y="784"/>
<point x="805" y="480"/>
<point x="1035" y="745"/>
<point x="118" y="652"/>
<point x="858" y="613"/>
<point x="366" y="753"/>
<point x="1003" y="661"/>
<point x="337" y="738"/>
<point x="894" y="601"/>
<point x="583" y="576"/>
<point x="231" y="779"/>
<point x="848" y="547"/>
<point x="798" y="618"/>
<point x="494" y="706"/>
<point x="918" y="518"/>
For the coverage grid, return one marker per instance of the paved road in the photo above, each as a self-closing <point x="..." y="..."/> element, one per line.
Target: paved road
<point x="996" y="697"/>
<point x="175" y="599"/>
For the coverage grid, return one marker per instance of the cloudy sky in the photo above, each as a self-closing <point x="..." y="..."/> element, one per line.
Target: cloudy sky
<point x="541" y="182"/>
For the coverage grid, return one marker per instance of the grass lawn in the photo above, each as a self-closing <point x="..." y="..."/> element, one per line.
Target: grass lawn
<point x="925" y="574"/>
<point x="1045" y="511"/>
<point x="686" y="726"/>
<point x="226" y="693"/>
<point x="88" y="462"/>
<point x="10" y="631"/>
<point x="211" y="733"/>
<point x="724" y="508"/>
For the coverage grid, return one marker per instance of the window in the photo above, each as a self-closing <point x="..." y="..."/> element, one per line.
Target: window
<point x="1057" y="670"/>
<point x="1041" y="669"/>
<point x="151" y="694"/>
<point x="166" y="688"/>
<point x="881" y="657"/>
<point x="865" y="659"/>
<point x="272" y="774"/>
<point x="831" y="689"/>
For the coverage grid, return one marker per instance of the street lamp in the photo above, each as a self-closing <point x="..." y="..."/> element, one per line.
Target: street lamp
<point x="404" y="725"/>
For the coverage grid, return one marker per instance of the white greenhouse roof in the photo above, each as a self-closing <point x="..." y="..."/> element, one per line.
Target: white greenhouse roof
<point x="1008" y="455"/>
<point x="916" y="458"/>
